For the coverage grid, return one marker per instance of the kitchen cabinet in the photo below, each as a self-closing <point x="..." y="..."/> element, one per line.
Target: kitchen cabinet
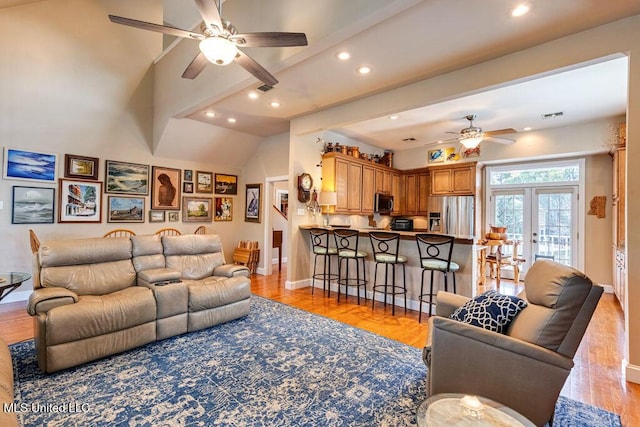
<point x="459" y="179"/>
<point x="383" y="181"/>
<point x="369" y="175"/>
<point x="397" y="191"/>
<point x="416" y="193"/>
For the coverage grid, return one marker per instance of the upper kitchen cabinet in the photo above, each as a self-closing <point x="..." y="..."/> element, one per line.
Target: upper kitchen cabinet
<point x="416" y="192"/>
<point x="458" y="179"/>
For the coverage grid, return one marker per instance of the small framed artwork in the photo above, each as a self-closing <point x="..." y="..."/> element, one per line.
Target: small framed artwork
<point x="253" y="195"/>
<point x="196" y="209"/>
<point x="435" y="156"/>
<point x="29" y="165"/>
<point x="224" y="209"/>
<point x="125" y="209"/>
<point x="165" y="188"/>
<point x="188" y="175"/>
<point x="226" y="184"/>
<point x="79" y="201"/>
<point x="174" y="216"/>
<point x="156" y="216"/>
<point x="126" y="178"/>
<point x="187" y="187"/>
<point x="204" y="182"/>
<point x="33" y="205"/>
<point x="81" y="167"/>
<point x="471" y="152"/>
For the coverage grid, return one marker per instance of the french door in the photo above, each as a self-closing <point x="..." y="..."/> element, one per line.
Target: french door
<point x="543" y="219"/>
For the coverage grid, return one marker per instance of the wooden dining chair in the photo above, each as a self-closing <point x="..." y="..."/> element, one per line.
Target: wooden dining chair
<point x="35" y="242"/>
<point x="201" y="230"/>
<point x="168" y="231"/>
<point x="120" y="232"/>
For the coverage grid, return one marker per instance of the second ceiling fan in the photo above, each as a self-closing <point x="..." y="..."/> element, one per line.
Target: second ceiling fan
<point x="220" y="42"/>
<point x="470" y="137"/>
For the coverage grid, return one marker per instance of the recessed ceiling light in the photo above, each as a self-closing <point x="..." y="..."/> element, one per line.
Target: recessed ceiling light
<point x="394" y="117"/>
<point x="343" y="56"/>
<point x="527" y="128"/>
<point x="520" y="10"/>
<point x="253" y="95"/>
<point x="210" y="114"/>
<point x="364" y="69"/>
<point x="409" y="139"/>
<point x="231" y="120"/>
<point x="274" y="104"/>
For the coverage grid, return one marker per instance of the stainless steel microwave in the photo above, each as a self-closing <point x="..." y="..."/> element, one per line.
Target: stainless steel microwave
<point x="383" y="203"/>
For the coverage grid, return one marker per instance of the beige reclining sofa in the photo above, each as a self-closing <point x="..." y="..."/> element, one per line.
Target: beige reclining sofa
<point x="97" y="297"/>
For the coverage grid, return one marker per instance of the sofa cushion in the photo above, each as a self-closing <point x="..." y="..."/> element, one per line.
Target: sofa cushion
<point x="490" y="310"/>
<point x="214" y="292"/>
<point x="147" y="252"/>
<point x="96" y="315"/>
<point x="194" y="256"/>
<point x="90" y="279"/>
<point x="84" y="251"/>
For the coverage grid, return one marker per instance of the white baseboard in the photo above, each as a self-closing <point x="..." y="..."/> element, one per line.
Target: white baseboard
<point x="631" y="372"/>
<point x="275" y="260"/>
<point x="16" y="296"/>
<point x="297" y="284"/>
<point x="608" y="289"/>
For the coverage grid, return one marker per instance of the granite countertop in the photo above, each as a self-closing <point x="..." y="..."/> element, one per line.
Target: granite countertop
<point x="404" y="235"/>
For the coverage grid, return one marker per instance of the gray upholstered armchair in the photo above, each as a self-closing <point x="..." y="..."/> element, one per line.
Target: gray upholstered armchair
<point x="527" y="367"/>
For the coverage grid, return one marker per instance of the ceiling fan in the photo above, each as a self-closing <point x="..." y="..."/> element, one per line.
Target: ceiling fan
<point x="470" y="137"/>
<point x="220" y="41"/>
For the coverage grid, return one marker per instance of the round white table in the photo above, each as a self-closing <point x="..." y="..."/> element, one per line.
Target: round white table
<point x="459" y="410"/>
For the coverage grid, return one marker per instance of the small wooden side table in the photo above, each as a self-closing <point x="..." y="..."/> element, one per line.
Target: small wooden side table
<point x="9" y="282"/>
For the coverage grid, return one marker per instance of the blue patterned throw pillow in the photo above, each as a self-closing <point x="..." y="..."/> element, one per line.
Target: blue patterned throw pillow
<point x="490" y="310"/>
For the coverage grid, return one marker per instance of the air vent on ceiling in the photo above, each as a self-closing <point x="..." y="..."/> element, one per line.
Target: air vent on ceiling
<point x="265" y="88"/>
<point x="410" y="139"/>
<point x="552" y="115"/>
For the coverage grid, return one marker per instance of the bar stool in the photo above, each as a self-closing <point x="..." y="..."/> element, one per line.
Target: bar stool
<point x="385" y="251"/>
<point x="435" y="255"/>
<point x="347" y="246"/>
<point x="321" y="247"/>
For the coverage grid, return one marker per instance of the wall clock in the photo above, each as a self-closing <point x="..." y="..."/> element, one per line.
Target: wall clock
<point x="305" y="182"/>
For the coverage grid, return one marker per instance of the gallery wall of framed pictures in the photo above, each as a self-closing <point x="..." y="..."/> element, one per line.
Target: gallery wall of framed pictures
<point x="130" y="192"/>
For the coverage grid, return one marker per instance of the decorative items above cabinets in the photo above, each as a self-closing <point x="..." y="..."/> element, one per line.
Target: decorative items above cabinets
<point x="305" y="182"/>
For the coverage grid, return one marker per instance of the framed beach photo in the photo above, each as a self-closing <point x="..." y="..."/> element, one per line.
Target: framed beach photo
<point x="126" y="178"/>
<point x="125" y="209"/>
<point x="165" y="188"/>
<point x="253" y="196"/>
<point x="226" y="184"/>
<point x="156" y="216"/>
<point x="196" y="209"/>
<point x="81" y="167"/>
<point x="29" y="165"/>
<point x="204" y="182"/>
<point x="33" y="205"/>
<point x="224" y="209"/>
<point x="79" y="201"/>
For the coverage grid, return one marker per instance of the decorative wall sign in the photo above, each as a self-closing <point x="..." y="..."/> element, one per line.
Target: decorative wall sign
<point x="29" y="165"/>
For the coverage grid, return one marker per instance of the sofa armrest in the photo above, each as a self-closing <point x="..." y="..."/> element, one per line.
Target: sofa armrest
<point x="44" y="299"/>
<point x="231" y="270"/>
<point x="472" y="360"/>
<point x="158" y="276"/>
<point x="447" y="303"/>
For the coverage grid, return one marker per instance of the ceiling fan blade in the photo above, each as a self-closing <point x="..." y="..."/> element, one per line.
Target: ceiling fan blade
<point x="500" y="132"/>
<point x="271" y="39"/>
<point x="500" y="140"/>
<point x="155" y="27"/>
<point x="209" y="12"/>
<point x="441" y="142"/>
<point x="195" y="67"/>
<point x="254" y="68"/>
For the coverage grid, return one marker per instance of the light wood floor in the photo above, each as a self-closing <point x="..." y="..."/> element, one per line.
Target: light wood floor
<point x="596" y="379"/>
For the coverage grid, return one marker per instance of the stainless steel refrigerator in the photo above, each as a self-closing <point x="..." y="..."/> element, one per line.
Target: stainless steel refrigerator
<point x="452" y="215"/>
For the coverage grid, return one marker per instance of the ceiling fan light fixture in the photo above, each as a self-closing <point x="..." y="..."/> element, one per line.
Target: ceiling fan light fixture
<point x="471" y="137"/>
<point x="218" y="50"/>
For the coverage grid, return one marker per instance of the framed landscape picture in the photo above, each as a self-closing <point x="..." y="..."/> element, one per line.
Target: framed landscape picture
<point x="226" y="184"/>
<point x="29" y="165"/>
<point x="253" y="196"/>
<point x="196" y="209"/>
<point x="165" y="188"/>
<point x="156" y="216"/>
<point x="224" y="209"/>
<point x="79" y="201"/>
<point x="126" y="178"/>
<point x="33" y="205"/>
<point x="81" y="167"/>
<point x="204" y="182"/>
<point x="125" y="209"/>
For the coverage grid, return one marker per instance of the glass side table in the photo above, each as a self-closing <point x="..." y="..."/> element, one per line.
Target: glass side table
<point x="9" y="282"/>
<point x="451" y="410"/>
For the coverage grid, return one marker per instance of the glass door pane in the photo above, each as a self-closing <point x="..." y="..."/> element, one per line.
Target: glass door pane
<point x="555" y="236"/>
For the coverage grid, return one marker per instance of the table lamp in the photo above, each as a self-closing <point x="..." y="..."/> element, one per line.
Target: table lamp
<point x="328" y="198"/>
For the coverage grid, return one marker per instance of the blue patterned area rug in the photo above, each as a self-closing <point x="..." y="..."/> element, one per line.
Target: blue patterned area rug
<point x="279" y="366"/>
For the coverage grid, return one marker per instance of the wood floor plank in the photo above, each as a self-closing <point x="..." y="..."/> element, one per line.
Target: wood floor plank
<point x="596" y="379"/>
